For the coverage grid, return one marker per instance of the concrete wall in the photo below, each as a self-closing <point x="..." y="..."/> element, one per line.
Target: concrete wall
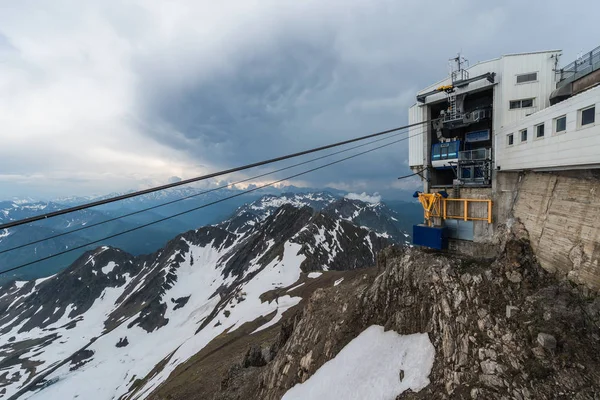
<point x="482" y="244"/>
<point x="576" y="146"/>
<point x="561" y="211"/>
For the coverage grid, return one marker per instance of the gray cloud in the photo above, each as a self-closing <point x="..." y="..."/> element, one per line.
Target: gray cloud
<point x="109" y="97"/>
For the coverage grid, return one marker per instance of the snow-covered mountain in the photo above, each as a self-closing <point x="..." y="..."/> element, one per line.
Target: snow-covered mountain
<point x="375" y="216"/>
<point x="113" y="324"/>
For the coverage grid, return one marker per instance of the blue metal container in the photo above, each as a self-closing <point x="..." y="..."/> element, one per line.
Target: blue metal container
<point x="429" y="236"/>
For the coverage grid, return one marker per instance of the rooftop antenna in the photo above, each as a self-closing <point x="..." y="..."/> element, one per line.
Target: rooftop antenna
<point x="556" y="58"/>
<point x="458" y="67"/>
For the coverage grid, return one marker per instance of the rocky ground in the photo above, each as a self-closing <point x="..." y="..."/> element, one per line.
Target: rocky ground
<point x="502" y="329"/>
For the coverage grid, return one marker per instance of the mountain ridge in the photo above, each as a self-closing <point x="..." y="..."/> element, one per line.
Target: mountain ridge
<point x="143" y="241"/>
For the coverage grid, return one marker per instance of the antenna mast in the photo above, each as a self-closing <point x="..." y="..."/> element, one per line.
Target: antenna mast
<point x="458" y="67"/>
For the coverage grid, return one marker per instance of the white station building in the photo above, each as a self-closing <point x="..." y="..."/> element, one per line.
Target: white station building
<point x="518" y="112"/>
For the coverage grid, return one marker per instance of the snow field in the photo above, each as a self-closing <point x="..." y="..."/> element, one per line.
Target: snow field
<point x="369" y="367"/>
<point x="277" y="274"/>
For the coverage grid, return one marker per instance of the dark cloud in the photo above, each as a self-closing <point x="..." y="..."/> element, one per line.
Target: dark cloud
<point x="152" y="91"/>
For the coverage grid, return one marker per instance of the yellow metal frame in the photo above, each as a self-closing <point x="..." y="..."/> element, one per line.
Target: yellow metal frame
<point x="435" y="205"/>
<point x="466" y="217"/>
<point x="431" y="205"/>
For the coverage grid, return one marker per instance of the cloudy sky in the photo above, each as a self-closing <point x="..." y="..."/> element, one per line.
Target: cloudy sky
<point x="103" y="96"/>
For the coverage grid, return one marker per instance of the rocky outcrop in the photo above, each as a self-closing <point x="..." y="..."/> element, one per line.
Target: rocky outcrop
<point x="350" y="246"/>
<point x="501" y="329"/>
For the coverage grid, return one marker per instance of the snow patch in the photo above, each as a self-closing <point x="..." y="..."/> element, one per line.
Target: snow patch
<point x="315" y="274"/>
<point x="20" y="284"/>
<point x="109" y="267"/>
<point x="39" y="281"/>
<point x="369" y="367"/>
<point x="338" y="282"/>
<point x="295" y="287"/>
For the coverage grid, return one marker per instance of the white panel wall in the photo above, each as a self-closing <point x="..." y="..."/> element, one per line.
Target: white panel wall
<point x="415" y="136"/>
<point x="513" y="65"/>
<point x="577" y="146"/>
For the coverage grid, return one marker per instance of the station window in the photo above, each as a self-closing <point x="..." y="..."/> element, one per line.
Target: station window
<point x="539" y="131"/>
<point x="524" y="78"/>
<point x="526" y="103"/>
<point x="511" y="139"/>
<point x="524" y="135"/>
<point x="445" y="151"/>
<point x="560" y="124"/>
<point x="588" y="116"/>
<point x="523" y="103"/>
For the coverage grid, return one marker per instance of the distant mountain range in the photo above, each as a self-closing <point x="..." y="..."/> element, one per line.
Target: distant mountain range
<point x="148" y="239"/>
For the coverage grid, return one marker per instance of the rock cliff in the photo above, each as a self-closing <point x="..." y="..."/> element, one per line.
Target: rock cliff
<point x="501" y="328"/>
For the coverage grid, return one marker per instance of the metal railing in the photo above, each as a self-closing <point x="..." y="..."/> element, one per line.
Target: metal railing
<point x="432" y="208"/>
<point x="580" y="67"/>
<point x="465" y="208"/>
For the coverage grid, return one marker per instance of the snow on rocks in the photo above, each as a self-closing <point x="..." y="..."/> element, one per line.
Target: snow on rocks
<point x="295" y="287"/>
<point x="107" y="269"/>
<point x="279" y="273"/>
<point x="109" y="373"/>
<point x="375" y="365"/>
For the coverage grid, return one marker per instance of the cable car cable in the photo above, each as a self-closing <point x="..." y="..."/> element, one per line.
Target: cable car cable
<point x="193" y="195"/>
<point x="202" y="206"/>
<point x="199" y="178"/>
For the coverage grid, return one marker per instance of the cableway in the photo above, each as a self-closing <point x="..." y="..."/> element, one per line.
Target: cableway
<point x="199" y="178"/>
<point x="85" y="227"/>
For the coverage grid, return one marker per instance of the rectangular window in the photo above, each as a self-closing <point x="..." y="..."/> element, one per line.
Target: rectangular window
<point x="523" y="78"/>
<point x="539" y="130"/>
<point x="511" y="139"/>
<point x="588" y="116"/>
<point x="561" y="124"/>
<point x="524" y="103"/>
<point x="524" y="135"/>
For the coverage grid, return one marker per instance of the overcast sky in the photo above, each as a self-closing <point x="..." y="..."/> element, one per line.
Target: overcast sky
<point x="104" y="96"/>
